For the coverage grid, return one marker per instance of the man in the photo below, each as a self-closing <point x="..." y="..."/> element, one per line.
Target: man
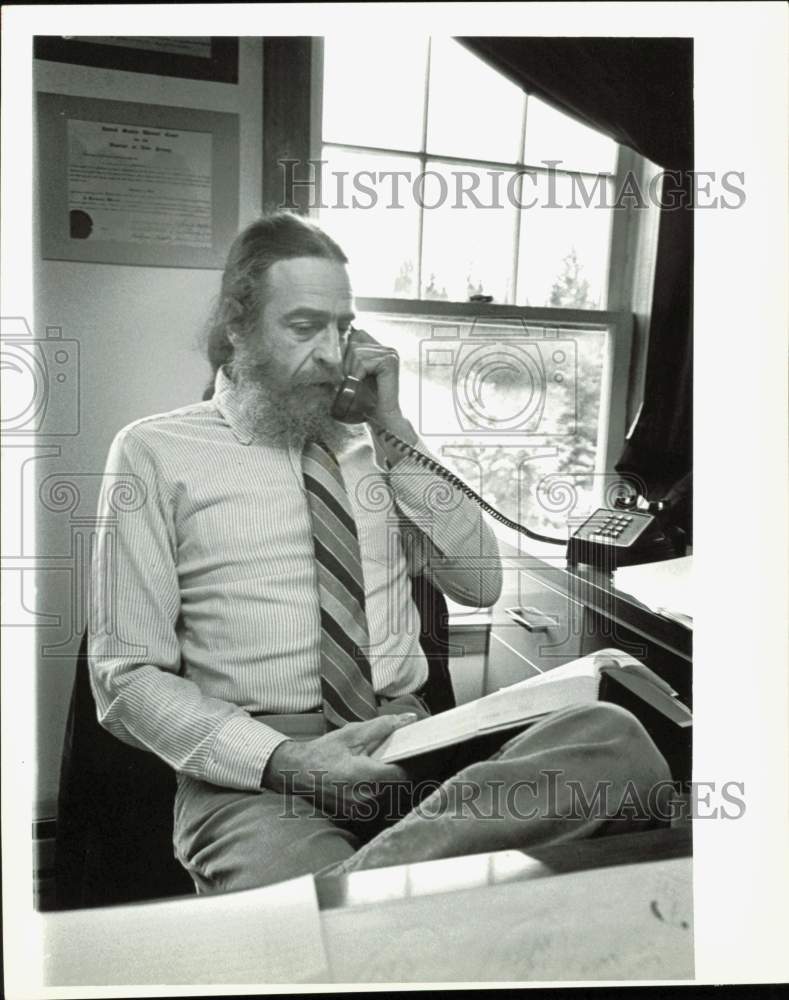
<point x="255" y="592"/>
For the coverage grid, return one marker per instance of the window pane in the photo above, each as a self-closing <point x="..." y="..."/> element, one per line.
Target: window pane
<point x="487" y="402"/>
<point x="466" y="250"/>
<point x="551" y="135"/>
<point x="379" y="239"/>
<point x="564" y="245"/>
<point x="374" y="92"/>
<point x="473" y="111"/>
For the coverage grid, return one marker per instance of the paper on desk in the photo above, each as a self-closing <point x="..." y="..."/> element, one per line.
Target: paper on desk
<point x="268" y="935"/>
<point x="664" y="587"/>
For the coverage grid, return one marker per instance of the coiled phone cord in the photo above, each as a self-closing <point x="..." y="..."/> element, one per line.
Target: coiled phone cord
<point x="458" y="483"/>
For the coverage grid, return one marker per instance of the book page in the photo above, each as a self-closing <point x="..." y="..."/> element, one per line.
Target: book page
<point x="529" y="702"/>
<point x="586" y="666"/>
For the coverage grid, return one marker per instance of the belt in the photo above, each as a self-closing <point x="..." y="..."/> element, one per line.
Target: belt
<point x="312" y="723"/>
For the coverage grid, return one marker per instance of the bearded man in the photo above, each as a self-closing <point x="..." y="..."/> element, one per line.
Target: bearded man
<point x="247" y="608"/>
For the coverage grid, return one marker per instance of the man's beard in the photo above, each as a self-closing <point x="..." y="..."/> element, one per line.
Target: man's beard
<point x="287" y="410"/>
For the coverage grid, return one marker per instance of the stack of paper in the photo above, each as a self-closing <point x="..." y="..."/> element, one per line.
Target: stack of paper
<point x="664" y="587"/>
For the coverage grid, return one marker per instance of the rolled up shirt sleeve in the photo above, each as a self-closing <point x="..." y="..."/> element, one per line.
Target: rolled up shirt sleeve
<point x="142" y="696"/>
<point x="447" y="535"/>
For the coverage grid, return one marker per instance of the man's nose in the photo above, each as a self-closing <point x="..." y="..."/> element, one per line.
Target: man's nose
<point x="328" y="349"/>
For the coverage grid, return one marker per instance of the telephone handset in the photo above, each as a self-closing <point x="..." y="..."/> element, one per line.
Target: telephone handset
<point x="355" y="400"/>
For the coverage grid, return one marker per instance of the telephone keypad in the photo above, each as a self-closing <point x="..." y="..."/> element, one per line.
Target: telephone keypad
<point x="614" y="527"/>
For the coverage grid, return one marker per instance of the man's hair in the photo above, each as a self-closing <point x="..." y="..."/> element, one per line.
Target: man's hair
<point x="273" y="237"/>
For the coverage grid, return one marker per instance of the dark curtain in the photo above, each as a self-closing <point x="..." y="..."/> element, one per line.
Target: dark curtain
<point x="660" y="449"/>
<point x="639" y="91"/>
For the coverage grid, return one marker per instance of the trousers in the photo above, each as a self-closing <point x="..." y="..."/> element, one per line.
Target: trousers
<point x="584" y="771"/>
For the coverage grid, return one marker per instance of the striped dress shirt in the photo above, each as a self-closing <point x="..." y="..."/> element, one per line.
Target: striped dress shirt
<point x="204" y="597"/>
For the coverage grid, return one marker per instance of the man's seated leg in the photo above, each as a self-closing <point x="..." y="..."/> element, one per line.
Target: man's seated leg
<point x="229" y="840"/>
<point x="577" y="773"/>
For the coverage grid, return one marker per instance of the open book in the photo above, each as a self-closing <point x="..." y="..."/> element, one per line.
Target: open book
<point x="511" y="707"/>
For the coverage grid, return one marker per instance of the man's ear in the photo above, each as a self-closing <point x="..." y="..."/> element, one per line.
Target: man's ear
<point x="234" y="314"/>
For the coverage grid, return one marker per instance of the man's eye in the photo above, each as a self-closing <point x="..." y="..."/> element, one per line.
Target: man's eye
<point x="306" y="327"/>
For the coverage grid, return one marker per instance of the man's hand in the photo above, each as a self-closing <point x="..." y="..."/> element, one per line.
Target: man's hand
<point x="368" y="357"/>
<point x="337" y="767"/>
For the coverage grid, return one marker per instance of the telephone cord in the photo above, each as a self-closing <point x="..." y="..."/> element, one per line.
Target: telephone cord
<point x="458" y="483"/>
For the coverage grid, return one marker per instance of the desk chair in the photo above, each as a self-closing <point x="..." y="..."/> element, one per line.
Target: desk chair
<point x="115" y="802"/>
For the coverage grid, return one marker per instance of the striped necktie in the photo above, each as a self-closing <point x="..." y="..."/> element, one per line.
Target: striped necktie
<point x="346" y="683"/>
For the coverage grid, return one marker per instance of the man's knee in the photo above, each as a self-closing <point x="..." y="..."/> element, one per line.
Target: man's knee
<point x="612" y="724"/>
<point x="599" y="731"/>
<point x="252" y="868"/>
<point x="230" y="841"/>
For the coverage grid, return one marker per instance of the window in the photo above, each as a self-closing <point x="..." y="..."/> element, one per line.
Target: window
<point x="478" y="225"/>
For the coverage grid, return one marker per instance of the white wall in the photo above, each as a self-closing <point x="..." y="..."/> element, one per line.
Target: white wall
<point x="138" y="330"/>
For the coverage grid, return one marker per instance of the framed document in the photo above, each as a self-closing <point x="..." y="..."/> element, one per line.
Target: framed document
<point x="124" y="183"/>
<point x="198" y="58"/>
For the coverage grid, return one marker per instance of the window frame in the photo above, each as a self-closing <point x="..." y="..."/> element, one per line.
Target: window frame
<point x="626" y="161"/>
<point x="616" y="365"/>
<point x="630" y="277"/>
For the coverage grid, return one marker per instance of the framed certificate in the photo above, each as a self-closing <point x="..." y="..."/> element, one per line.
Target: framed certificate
<point x="125" y="183"/>
<point x="198" y="58"/>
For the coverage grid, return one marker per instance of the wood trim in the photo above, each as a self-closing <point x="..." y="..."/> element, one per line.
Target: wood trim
<point x="287" y="119"/>
<point x="544" y="316"/>
<point x="316" y="117"/>
<point x="614" y="393"/>
<point x="507" y="166"/>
